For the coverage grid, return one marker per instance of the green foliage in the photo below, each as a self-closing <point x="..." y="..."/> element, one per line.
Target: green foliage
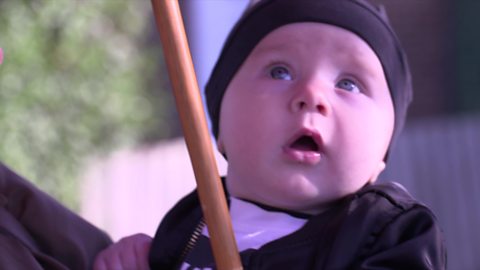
<point x="73" y="85"/>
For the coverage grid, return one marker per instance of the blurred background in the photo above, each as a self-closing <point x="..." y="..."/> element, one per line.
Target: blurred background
<point x="86" y="111"/>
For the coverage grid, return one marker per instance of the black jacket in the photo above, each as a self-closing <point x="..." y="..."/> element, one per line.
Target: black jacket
<point x="37" y="232"/>
<point x="379" y="227"/>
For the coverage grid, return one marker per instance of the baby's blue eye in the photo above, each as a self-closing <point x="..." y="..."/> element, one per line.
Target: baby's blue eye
<point x="280" y="73"/>
<point x="348" y="85"/>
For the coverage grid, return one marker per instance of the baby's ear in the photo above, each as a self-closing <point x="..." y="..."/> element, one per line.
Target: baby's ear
<point x="381" y="166"/>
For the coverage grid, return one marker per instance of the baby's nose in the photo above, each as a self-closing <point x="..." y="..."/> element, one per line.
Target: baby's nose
<point x="310" y="97"/>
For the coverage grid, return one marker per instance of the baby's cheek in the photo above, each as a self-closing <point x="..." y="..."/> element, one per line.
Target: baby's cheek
<point x="234" y="188"/>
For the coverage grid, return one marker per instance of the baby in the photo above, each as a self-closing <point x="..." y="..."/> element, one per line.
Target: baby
<point x="306" y="100"/>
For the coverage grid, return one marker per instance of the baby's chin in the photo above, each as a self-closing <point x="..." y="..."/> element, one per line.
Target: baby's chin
<point x="301" y="198"/>
<point x="320" y="203"/>
<point x="310" y="207"/>
<point x="297" y="203"/>
<point x="308" y="199"/>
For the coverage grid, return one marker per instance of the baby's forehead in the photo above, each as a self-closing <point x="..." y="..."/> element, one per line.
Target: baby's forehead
<point x="308" y="38"/>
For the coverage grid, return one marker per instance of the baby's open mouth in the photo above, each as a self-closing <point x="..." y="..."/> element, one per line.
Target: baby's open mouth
<point x="305" y="147"/>
<point x="305" y="143"/>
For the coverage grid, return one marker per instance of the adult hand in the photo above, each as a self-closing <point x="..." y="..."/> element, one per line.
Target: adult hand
<point x="129" y="253"/>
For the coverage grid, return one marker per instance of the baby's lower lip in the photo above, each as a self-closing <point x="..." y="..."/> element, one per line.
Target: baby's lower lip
<point x="302" y="156"/>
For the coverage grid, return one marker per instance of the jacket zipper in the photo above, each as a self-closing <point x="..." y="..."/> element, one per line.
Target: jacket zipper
<point x="192" y="241"/>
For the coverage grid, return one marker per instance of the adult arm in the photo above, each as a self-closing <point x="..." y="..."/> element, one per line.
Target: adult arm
<point x="52" y="235"/>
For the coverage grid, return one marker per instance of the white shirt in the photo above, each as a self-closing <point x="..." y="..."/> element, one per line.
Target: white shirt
<point x="254" y="226"/>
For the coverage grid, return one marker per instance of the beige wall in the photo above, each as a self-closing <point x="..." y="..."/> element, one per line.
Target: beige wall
<point x="131" y="190"/>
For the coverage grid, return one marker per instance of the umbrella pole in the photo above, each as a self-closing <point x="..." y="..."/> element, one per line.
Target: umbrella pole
<point x="190" y="108"/>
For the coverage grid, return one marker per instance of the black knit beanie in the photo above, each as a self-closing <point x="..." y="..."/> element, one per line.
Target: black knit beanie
<point x="358" y="16"/>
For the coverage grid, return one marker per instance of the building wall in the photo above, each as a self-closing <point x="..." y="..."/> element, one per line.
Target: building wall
<point x="425" y="29"/>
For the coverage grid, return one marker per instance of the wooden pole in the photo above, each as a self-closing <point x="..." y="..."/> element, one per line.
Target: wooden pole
<point x="190" y="108"/>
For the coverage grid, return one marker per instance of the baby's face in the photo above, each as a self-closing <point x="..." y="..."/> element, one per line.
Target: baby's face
<point x="307" y="119"/>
